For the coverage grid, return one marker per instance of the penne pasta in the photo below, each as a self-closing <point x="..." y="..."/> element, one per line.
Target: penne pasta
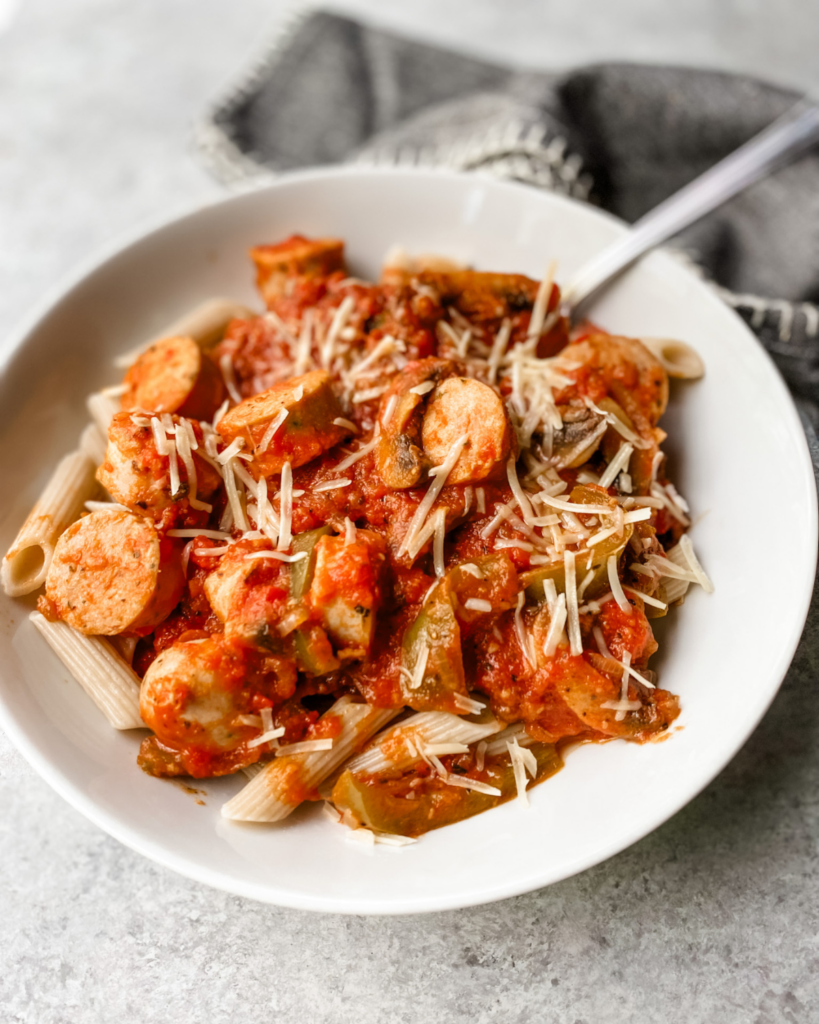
<point x="284" y="783"/>
<point x="62" y="501"/>
<point x="204" y="323"/>
<point x="677" y="358"/>
<point x="93" y="442"/>
<point x="405" y="743"/>
<point x="102" y="408"/>
<point x="108" y="680"/>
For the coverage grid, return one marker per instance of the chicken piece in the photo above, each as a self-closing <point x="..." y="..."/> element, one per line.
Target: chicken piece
<point x="398" y="454"/>
<point x="135" y="474"/>
<point x="307" y="431"/>
<point x="347" y="590"/>
<point x="249" y="595"/>
<point x="175" y="375"/>
<point x="196" y="698"/>
<point x="113" y="572"/>
<point x="296" y="256"/>
<point x="458" y="406"/>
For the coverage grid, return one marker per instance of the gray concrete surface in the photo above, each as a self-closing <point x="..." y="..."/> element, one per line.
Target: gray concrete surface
<point x="713" y="918"/>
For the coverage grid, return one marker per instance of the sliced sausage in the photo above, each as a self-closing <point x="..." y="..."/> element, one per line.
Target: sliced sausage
<point x="634" y="376"/>
<point x="192" y="696"/>
<point x="135" y="474"/>
<point x="296" y="256"/>
<point x="458" y="406"/>
<point x="398" y="455"/>
<point x="347" y="590"/>
<point x="175" y="375"/>
<point x="307" y="431"/>
<point x="112" y="572"/>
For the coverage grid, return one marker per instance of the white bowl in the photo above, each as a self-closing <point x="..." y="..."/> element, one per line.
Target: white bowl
<point x="737" y="453"/>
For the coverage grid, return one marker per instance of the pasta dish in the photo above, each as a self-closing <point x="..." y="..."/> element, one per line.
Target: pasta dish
<point x="391" y="545"/>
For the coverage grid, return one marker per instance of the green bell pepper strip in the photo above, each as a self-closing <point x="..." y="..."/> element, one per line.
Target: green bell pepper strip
<point x="382" y="804"/>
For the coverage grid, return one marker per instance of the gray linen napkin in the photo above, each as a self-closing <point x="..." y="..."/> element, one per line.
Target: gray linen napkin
<point x="332" y="90"/>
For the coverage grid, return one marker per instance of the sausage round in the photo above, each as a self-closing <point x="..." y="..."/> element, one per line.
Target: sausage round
<point x="458" y="406"/>
<point x="112" y="572"/>
<point x="190" y="695"/>
<point x="175" y="375"/>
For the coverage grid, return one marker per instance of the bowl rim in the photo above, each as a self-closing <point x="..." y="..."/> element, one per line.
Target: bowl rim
<point x="136" y="839"/>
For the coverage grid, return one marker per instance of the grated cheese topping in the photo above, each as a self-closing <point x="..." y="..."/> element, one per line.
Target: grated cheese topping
<point x="332" y="485"/>
<point x="519" y="769"/>
<point x="616" y="586"/>
<point x="272" y="427"/>
<point x="440" y="474"/>
<point x="305" y="747"/>
<point x="285" y="508"/>
<point x="575" y="641"/>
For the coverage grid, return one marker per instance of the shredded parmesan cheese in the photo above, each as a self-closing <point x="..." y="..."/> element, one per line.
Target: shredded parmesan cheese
<point x="575" y="641"/>
<point x="524" y="639"/>
<point x="519" y="769"/>
<point x="340" y="421"/>
<point x="477" y="604"/>
<point x="272" y="427"/>
<point x="441" y="473"/>
<point x="229" y="377"/>
<point x="558" y="613"/>
<point x="266" y="737"/>
<point x="332" y="485"/>
<point x="648" y="600"/>
<point x="462" y="782"/>
<point x="438" y="538"/>
<point x="616" y="586"/>
<point x="571" y="506"/>
<point x="617" y="464"/>
<point x="687" y="549"/>
<point x="600" y="536"/>
<point x="637" y="516"/>
<point x="304" y="747"/>
<point x="278" y="555"/>
<point x="365" y="449"/>
<point x="285" y="508"/>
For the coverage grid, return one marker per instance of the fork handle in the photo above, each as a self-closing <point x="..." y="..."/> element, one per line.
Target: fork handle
<point x="789" y="135"/>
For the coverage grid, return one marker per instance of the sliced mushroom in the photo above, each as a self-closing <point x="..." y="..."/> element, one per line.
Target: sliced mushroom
<point x="579" y="437"/>
<point x="399" y="454"/>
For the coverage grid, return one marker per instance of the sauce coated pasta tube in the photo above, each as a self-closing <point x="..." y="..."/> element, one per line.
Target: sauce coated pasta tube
<point x="283" y="784"/>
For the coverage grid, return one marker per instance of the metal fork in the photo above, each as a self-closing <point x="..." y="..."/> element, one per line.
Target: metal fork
<point x="783" y="139"/>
